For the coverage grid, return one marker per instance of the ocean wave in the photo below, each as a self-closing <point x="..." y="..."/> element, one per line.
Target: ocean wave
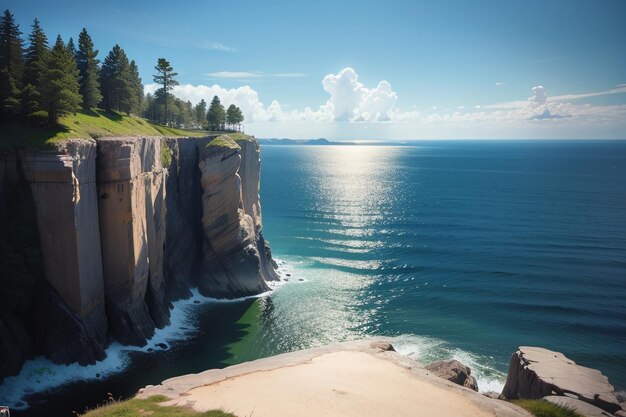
<point x="40" y="374"/>
<point x="424" y="350"/>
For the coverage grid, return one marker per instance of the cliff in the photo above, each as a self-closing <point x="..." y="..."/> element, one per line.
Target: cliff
<point x="233" y="250"/>
<point x="115" y="236"/>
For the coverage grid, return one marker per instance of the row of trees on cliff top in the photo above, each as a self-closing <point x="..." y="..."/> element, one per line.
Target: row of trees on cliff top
<point x="217" y="118"/>
<point x="39" y="84"/>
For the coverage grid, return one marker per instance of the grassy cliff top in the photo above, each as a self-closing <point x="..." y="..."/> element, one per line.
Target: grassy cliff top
<point x="85" y="125"/>
<point x="236" y="136"/>
<point x="229" y="140"/>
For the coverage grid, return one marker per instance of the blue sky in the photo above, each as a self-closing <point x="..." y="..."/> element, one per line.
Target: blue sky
<point x="377" y="70"/>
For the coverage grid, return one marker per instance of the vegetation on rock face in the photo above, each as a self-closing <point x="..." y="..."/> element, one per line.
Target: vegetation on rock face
<point x="541" y="408"/>
<point x="166" y="155"/>
<point x="223" y="141"/>
<point x="150" y="406"/>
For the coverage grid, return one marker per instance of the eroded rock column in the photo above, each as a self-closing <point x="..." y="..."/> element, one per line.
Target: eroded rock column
<point x="231" y="264"/>
<point x="250" y="173"/>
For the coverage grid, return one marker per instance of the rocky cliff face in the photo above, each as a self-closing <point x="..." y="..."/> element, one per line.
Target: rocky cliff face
<point x="536" y="373"/>
<point x="120" y="236"/>
<point x="71" y="320"/>
<point x="231" y="262"/>
<point x="131" y="195"/>
<point x="249" y="172"/>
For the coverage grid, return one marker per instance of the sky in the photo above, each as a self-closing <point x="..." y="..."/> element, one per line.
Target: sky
<point x="375" y="70"/>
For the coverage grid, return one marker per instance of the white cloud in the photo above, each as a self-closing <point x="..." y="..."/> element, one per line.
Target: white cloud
<point x="353" y="103"/>
<point x="621" y="88"/>
<point x="538" y="95"/>
<point x="500" y="83"/>
<point x="350" y="100"/>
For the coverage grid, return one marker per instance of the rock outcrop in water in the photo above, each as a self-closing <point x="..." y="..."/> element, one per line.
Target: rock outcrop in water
<point x="232" y="245"/>
<point x="454" y="371"/>
<point x="99" y="237"/>
<point x="537" y="373"/>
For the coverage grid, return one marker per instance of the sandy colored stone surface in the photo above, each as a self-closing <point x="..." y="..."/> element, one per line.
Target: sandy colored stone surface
<point x="353" y="379"/>
<point x="536" y="372"/>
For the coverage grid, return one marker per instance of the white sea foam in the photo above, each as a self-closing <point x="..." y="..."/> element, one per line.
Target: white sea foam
<point x="41" y="374"/>
<point x="424" y="350"/>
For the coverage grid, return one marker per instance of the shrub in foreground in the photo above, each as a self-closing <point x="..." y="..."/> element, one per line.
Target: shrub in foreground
<point x="137" y="407"/>
<point x="541" y="408"/>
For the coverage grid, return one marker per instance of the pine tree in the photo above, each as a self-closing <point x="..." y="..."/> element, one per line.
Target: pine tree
<point x="216" y="116"/>
<point x="116" y="87"/>
<point x="149" y="110"/>
<point x="165" y="76"/>
<point x="200" y="111"/>
<point x="89" y="71"/>
<point x="11" y="47"/>
<point x="59" y="93"/>
<point x="9" y="96"/>
<point x="137" y="87"/>
<point x="71" y="48"/>
<point x="11" y="66"/>
<point x="35" y="56"/>
<point x="30" y="100"/>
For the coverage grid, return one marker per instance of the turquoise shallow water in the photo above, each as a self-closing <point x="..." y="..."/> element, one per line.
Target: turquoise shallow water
<point x="461" y="249"/>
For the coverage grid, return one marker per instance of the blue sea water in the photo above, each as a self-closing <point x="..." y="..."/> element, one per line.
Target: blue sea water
<point x="464" y="249"/>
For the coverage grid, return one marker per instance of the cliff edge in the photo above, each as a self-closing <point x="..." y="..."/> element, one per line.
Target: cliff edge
<point x="101" y="235"/>
<point x="361" y="378"/>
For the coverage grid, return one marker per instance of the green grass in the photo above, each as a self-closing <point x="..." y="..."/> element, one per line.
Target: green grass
<point x="137" y="408"/>
<point x="223" y="141"/>
<point x="236" y="136"/>
<point x="541" y="408"/>
<point x="172" y="131"/>
<point x="84" y="125"/>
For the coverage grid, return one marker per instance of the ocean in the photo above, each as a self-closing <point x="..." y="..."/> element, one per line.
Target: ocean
<point x="457" y="249"/>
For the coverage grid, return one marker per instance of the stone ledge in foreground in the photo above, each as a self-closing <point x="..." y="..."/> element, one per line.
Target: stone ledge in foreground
<point x="361" y="378"/>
